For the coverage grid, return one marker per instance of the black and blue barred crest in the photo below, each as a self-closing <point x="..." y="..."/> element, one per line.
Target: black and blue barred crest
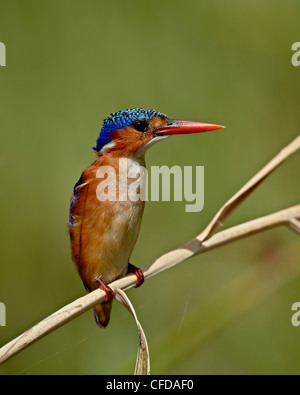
<point x="121" y="120"/>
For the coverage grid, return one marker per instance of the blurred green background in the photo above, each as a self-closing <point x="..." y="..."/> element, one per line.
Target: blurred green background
<point x="71" y="63"/>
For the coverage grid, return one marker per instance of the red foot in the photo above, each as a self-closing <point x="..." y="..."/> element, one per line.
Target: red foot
<point x="138" y="272"/>
<point x="108" y="291"/>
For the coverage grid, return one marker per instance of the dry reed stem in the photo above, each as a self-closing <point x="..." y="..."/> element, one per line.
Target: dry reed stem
<point x="81" y="305"/>
<point x="142" y="366"/>
<point x="249" y="187"/>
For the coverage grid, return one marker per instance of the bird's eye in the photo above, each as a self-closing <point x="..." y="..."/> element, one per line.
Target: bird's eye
<point x="140" y="126"/>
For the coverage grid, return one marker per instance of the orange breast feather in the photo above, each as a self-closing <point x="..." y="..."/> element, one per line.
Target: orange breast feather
<point x="103" y="234"/>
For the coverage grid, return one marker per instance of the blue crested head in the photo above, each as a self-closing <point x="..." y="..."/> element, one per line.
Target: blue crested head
<point x="122" y="119"/>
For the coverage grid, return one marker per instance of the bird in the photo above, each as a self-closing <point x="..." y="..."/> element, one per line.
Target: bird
<point x="103" y="232"/>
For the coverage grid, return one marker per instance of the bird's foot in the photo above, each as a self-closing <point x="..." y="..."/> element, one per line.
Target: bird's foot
<point x="138" y="272"/>
<point x="109" y="293"/>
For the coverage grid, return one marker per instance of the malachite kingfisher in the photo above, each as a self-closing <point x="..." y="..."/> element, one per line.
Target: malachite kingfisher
<point x="103" y="233"/>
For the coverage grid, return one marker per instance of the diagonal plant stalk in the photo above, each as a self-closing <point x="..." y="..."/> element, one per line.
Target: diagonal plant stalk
<point x="143" y="359"/>
<point x="249" y="187"/>
<point x="204" y="242"/>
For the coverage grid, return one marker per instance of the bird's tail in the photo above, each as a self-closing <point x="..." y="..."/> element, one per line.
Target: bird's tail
<point x="102" y="314"/>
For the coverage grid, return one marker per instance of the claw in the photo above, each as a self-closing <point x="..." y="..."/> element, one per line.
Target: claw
<point x="109" y="293"/>
<point x="138" y="272"/>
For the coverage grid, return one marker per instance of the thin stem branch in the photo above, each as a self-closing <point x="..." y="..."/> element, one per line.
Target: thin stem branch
<point x="249" y="187"/>
<point x="193" y="247"/>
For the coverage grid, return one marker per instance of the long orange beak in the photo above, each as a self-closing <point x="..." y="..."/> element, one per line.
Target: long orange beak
<point x="185" y="127"/>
